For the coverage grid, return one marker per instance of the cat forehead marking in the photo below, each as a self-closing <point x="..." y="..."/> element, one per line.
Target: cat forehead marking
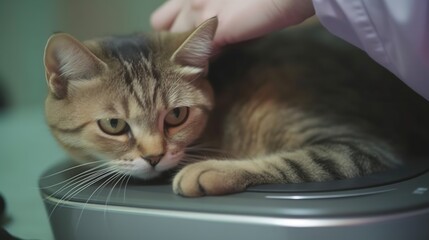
<point x="130" y="48"/>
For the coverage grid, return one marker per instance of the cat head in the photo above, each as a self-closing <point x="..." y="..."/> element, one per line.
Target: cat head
<point x="136" y="101"/>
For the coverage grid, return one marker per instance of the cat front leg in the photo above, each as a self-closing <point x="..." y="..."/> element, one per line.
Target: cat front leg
<point x="220" y="177"/>
<point x="214" y="177"/>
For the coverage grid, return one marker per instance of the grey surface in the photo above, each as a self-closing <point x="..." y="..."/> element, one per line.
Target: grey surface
<point x="158" y="195"/>
<point x="392" y="211"/>
<point x="111" y="224"/>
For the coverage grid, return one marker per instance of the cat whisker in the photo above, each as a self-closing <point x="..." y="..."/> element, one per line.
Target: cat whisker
<point x="194" y="156"/>
<point x="122" y="179"/>
<point x="75" y="182"/>
<point x="71" y="168"/>
<point x="80" y="186"/>
<point x="188" y="160"/>
<point x="86" y="172"/>
<point x="117" y="178"/>
<point x="112" y="175"/>
<point x="204" y="149"/>
<point x="126" y="185"/>
<point x="78" y="179"/>
<point x="207" y="151"/>
<point x="125" y="175"/>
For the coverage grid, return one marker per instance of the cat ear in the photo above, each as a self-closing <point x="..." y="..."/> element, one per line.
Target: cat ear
<point x="194" y="53"/>
<point x="66" y="60"/>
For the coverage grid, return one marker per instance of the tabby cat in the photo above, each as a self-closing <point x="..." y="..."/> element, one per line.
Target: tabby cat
<point x="297" y="106"/>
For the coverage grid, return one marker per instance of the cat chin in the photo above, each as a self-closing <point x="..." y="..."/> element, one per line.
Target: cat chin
<point x="137" y="168"/>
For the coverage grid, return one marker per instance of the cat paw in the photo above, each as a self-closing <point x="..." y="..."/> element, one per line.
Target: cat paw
<point x="211" y="177"/>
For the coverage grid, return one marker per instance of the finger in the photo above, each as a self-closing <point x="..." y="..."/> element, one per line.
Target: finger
<point x="184" y="21"/>
<point x="164" y="16"/>
<point x="257" y="23"/>
<point x="190" y="17"/>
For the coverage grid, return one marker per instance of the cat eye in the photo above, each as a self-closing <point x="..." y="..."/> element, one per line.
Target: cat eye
<point x="176" y="116"/>
<point x="113" y="126"/>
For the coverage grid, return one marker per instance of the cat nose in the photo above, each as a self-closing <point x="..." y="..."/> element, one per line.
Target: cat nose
<point x="153" y="160"/>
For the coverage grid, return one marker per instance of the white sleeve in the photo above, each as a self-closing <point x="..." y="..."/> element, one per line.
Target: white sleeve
<point x="395" y="33"/>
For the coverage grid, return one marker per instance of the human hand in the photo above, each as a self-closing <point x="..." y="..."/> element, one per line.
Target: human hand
<point x="239" y="20"/>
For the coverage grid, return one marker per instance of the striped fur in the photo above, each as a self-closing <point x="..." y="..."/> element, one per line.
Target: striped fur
<point x="298" y="106"/>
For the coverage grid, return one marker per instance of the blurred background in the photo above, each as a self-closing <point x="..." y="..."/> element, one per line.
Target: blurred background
<point x="26" y="146"/>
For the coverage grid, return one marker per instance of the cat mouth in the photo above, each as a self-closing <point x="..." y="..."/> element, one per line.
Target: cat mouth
<point x="142" y="169"/>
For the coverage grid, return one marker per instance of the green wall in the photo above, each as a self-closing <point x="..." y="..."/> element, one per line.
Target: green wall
<point x="25" y="25"/>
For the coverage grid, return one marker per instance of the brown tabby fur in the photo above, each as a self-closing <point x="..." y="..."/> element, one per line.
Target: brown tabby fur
<point x="297" y="106"/>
